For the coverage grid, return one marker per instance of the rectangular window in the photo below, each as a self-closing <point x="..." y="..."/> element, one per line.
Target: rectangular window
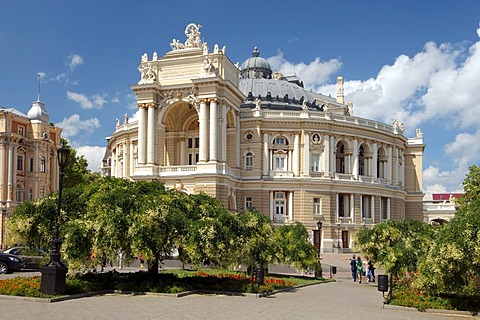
<point x="280" y="163"/>
<point x="21" y="130"/>
<point x="366" y="204"/>
<point x="30" y="194"/>
<point x="344" y="205"/>
<point x="20" y="162"/>
<point x="31" y="164"/>
<point x="190" y="143"/>
<point x="248" y="203"/>
<point x="315" y="162"/>
<point x="317" y="206"/>
<point x="197" y="142"/>
<point x="42" y="191"/>
<point x="384" y="208"/>
<point x="42" y="165"/>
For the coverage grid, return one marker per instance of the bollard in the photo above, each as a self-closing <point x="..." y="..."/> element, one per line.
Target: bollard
<point x="259" y="275"/>
<point x="383" y="283"/>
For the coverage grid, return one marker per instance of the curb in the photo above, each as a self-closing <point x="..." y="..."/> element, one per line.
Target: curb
<point x="432" y="311"/>
<point x="159" y="294"/>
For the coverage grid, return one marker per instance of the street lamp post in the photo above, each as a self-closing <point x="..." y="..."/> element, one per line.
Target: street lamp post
<point x="54" y="273"/>
<point x="319" y="228"/>
<point x="4" y="213"/>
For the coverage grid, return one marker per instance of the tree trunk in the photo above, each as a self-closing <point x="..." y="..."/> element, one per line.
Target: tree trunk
<point x="153" y="266"/>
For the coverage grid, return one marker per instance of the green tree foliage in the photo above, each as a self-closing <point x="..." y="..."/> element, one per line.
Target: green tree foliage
<point x="396" y="245"/>
<point x="293" y="247"/>
<point x="33" y="223"/>
<point x="255" y="241"/>
<point x="156" y="225"/>
<point x="452" y="264"/>
<point x="211" y="232"/>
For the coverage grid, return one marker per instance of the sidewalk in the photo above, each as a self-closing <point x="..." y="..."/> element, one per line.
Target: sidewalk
<point x="343" y="299"/>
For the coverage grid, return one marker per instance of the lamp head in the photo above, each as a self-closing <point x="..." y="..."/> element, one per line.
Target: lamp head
<point x="319" y="225"/>
<point x="62" y="156"/>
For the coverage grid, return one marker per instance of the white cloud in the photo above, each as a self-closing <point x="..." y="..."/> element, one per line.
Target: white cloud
<point x="74" y="125"/>
<point x="94" y="156"/>
<point x="465" y="149"/>
<point x="73" y="61"/>
<point x="313" y="74"/>
<point x="96" y="101"/>
<point x="478" y="30"/>
<point x="438" y="85"/>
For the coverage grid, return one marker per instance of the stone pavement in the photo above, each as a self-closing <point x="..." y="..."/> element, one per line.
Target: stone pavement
<point x="343" y="299"/>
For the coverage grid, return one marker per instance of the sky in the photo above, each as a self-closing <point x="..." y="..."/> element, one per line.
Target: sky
<point x="416" y="61"/>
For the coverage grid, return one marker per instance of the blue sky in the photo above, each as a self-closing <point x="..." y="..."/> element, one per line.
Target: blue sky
<point x="418" y="61"/>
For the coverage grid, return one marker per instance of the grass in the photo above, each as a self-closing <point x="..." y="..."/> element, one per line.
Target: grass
<point x="172" y="281"/>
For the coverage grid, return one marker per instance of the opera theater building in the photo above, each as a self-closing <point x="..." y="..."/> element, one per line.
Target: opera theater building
<point x="256" y="139"/>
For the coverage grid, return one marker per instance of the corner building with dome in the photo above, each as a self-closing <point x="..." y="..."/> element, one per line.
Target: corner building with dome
<point x="256" y="139"/>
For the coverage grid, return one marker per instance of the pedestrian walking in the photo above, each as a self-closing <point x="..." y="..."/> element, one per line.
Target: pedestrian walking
<point x="353" y="268"/>
<point x="359" y="269"/>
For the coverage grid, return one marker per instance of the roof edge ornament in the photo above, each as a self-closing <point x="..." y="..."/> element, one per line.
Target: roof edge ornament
<point x="192" y="31"/>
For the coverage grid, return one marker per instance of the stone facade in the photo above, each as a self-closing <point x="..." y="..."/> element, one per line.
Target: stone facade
<point x="28" y="159"/>
<point x="257" y="139"/>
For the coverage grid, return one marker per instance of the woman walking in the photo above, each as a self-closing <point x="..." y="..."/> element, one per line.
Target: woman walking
<point x="359" y="269"/>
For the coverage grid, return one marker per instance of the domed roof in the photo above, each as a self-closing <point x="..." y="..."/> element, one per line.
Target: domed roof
<point x="38" y="113"/>
<point x="256" y="67"/>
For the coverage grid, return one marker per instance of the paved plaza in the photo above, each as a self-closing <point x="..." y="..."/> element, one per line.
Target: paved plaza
<point x="343" y="299"/>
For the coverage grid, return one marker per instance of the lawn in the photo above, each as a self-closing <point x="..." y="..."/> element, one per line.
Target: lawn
<point x="171" y="281"/>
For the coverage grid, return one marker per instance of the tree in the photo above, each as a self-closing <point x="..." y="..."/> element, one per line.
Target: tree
<point x="397" y="245"/>
<point x="156" y="225"/>
<point x="293" y="247"/>
<point x="256" y="241"/>
<point x="211" y="234"/>
<point x="452" y="264"/>
<point x="33" y="223"/>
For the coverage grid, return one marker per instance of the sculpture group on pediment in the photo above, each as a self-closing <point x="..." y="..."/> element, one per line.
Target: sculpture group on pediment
<point x="148" y="75"/>
<point x="398" y="127"/>
<point x="192" y="31"/>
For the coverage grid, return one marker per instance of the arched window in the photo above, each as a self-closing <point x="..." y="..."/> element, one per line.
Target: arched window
<point x="340" y="158"/>
<point x="20" y="193"/>
<point x="381" y="159"/>
<point x="249" y="161"/>
<point x="42" y="164"/>
<point x="361" y="161"/>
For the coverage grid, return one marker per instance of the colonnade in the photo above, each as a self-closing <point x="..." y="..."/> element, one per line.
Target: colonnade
<point x="373" y="162"/>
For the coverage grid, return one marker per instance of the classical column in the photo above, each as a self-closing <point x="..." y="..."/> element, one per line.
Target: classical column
<point x="373" y="208"/>
<point x="338" y="207"/>
<point x="125" y="158"/>
<point x="203" y="131"/>
<point x="265" y="154"/>
<point x="272" y="205"/>
<point x="352" y="206"/>
<point x="152" y="125"/>
<point x="327" y="157"/>
<point x="306" y="154"/>
<point x="213" y="130"/>
<point x="223" y="139"/>
<point x="296" y="153"/>
<point x="332" y="156"/>
<point x="290" y="206"/>
<point x="182" y="152"/>
<point x="3" y="169"/>
<point x="10" y="171"/>
<point x="389" y="165"/>
<point x="142" y="126"/>
<point x="388" y="209"/>
<point x="355" y="159"/>
<point x="132" y="160"/>
<point x="237" y="139"/>
<point x="374" y="161"/>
